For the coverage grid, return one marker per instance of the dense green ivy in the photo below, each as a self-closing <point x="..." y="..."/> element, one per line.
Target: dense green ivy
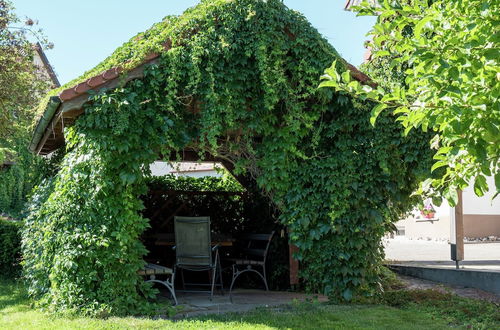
<point x="185" y="183"/>
<point x="239" y="82"/>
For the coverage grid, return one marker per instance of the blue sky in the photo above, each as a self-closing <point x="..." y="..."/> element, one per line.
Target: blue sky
<point x="85" y="32"/>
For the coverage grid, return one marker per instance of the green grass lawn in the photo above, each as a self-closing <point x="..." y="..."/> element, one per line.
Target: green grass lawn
<point x="15" y="313"/>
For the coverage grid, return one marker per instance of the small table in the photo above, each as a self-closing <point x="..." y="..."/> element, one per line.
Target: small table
<point x="169" y="240"/>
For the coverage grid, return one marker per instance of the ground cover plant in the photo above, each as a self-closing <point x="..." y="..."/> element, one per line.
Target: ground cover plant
<point x="238" y="80"/>
<point x="15" y="313"/>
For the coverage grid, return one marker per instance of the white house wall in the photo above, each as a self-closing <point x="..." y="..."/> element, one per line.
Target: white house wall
<point x="196" y="170"/>
<point x="481" y="218"/>
<point x="481" y="205"/>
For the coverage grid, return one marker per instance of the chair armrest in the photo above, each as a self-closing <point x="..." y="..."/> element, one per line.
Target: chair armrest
<point x="216" y="247"/>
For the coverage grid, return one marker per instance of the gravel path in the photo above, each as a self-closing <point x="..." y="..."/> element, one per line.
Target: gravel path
<point x="416" y="283"/>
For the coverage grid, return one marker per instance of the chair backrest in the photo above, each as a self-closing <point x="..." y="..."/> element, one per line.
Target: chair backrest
<point x="192" y="241"/>
<point x="258" y="244"/>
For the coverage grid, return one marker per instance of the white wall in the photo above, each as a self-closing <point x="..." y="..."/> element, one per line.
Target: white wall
<point x="160" y="168"/>
<point x="197" y="170"/>
<point x="481" y="205"/>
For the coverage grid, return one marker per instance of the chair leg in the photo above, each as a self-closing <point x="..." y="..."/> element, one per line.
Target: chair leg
<point x="182" y="279"/>
<point x="265" y="277"/>
<point x="235" y="275"/>
<point x="220" y="277"/>
<point x="214" y="273"/>
<point x="172" y="285"/>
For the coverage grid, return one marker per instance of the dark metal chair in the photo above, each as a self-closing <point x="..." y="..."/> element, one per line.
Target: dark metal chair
<point x="254" y="254"/>
<point x="193" y="250"/>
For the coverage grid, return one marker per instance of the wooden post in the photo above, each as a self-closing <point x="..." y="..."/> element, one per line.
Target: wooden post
<point x="294" y="265"/>
<point x="457" y="232"/>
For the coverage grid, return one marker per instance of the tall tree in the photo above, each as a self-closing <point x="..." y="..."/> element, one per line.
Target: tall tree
<point x="21" y="82"/>
<point x="444" y="55"/>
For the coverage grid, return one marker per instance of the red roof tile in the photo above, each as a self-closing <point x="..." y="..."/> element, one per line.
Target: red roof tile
<point x="102" y="78"/>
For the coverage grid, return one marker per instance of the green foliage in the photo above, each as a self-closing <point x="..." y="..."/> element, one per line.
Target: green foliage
<point x="10" y="248"/>
<point x="240" y="82"/>
<point x="20" y="78"/>
<point x="226" y="210"/>
<point x="186" y="183"/>
<point x="17" y="180"/>
<point x="22" y="83"/>
<point x="443" y="58"/>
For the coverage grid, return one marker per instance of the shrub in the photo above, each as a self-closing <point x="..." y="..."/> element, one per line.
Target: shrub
<point x="10" y="248"/>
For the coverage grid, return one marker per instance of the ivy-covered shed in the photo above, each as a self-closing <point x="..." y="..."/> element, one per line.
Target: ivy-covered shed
<point x="232" y="81"/>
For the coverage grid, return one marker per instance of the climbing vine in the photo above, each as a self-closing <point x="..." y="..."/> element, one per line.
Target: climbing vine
<point x="240" y="82"/>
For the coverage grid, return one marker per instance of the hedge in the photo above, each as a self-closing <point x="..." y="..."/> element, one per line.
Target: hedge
<point x="10" y="248"/>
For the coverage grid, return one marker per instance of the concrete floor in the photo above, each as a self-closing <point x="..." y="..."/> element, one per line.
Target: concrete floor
<point x="196" y="304"/>
<point x="482" y="256"/>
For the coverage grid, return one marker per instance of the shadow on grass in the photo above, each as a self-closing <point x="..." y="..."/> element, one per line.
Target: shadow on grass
<point x="304" y="315"/>
<point x="13" y="295"/>
<point x="324" y="316"/>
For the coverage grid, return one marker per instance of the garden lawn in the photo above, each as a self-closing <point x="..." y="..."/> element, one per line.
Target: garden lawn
<point x="16" y="313"/>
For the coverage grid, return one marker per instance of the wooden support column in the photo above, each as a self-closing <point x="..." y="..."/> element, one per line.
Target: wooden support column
<point x="293" y="263"/>
<point x="457" y="232"/>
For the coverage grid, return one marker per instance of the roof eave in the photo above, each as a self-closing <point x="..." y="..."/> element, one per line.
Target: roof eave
<point x="43" y="123"/>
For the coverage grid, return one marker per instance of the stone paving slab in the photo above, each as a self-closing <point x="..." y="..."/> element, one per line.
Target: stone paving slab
<point x="197" y="304"/>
